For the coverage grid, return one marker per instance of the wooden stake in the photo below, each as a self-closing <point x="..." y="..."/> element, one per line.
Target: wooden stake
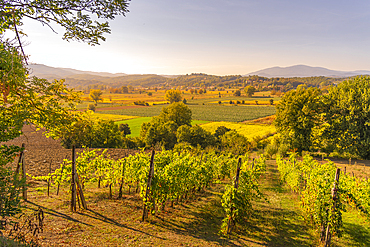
<point x="20" y="160"/>
<point x="73" y="182"/>
<point x="49" y="180"/>
<point x="81" y="194"/>
<point x="150" y="176"/>
<point x="236" y="185"/>
<point x="25" y="179"/>
<point x="334" y="196"/>
<point x="122" y="179"/>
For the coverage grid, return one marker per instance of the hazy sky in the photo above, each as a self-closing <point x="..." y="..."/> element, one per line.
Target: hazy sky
<point x="217" y="37"/>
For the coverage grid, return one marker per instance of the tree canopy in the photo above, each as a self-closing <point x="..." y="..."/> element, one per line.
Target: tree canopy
<point x="85" y="21"/>
<point x="25" y="100"/>
<point x="173" y="96"/>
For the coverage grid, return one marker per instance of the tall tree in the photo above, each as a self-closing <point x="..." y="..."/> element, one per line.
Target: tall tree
<point x="37" y="101"/>
<point x="249" y="91"/>
<point x="96" y="95"/>
<point x="347" y="117"/>
<point x="297" y="114"/>
<point x="173" y="96"/>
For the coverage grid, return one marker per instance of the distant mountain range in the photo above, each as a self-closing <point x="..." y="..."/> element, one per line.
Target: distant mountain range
<point x="305" y="71"/>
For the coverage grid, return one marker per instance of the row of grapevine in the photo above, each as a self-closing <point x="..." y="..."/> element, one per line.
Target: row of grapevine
<point x="314" y="183"/>
<point x="177" y="176"/>
<point x="237" y="198"/>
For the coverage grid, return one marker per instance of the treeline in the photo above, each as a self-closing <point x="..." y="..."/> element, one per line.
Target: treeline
<point x="199" y="80"/>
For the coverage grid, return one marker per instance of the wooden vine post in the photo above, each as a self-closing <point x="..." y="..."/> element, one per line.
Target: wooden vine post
<point x="231" y="222"/>
<point x="73" y="180"/>
<point x="147" y="192"/>
<point x="122" y="180"/>
<point x="334" y="196"/>
<point x="20" y="163"/>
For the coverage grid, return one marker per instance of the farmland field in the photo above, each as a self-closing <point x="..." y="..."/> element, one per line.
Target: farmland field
<point x="135" y="124"/>
<point x="229" y="113"/>
<point x="248" y="130"/>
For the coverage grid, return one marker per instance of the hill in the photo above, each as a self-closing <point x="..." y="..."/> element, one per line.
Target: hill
<point x="305" y="71"/>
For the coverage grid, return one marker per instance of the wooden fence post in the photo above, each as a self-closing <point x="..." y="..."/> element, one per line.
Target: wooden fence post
<point x="236" y="185"/>
<point x="150" y="176"/>
<point x="25" y="179"/>
<point x="49" y="180"/>
<point x="20" y="160"/>
<point x="334" y="196"/>
<point x="73" y="182"/>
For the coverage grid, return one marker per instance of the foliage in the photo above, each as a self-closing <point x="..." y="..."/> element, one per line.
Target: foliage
<point x="347" y="115"/>
<point x="80" y="19"/>
<point x="237" y="202"/>
<point x="89" y="132"/>
<point x="314" y="182"/>
<point x="297" y="114"/>
<point x="173" y="96"/>
<point x="91" y="107"/>
<point x="249" y="91"/>
<point x="178" y="112"/>
<point x="234" y="142"/>
<point x="96" y="95"/>
<point x="23" y="101"/>
<point x="195" y="136"/>
<point x="125" y="129"/>
<point x="237" y="93"/>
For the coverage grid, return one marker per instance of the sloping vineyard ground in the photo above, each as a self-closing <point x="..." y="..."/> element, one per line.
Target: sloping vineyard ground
<point x="276" y="221"/>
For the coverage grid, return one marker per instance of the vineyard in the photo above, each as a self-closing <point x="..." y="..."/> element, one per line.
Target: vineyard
<point x="193" y="199"/>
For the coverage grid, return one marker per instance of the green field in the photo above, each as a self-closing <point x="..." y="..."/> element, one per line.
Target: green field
<point x="228" y="113"/>
<point x="135" y="124"/>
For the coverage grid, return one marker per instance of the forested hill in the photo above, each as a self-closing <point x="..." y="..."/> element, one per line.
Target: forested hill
<point x="84" y="80"/>
<point x="232" y="81"/>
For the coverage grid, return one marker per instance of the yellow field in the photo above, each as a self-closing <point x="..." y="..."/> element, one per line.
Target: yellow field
<point x="112" y="117"/>
<point x="248" y="130"/>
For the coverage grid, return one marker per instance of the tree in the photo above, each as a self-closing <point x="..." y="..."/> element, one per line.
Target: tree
<point x="81" y="20"/>
<point x="297" y="114"/>
<point x="194" y="135"/>
<point x="178" y="112"/>
<point x="249" y="91"/>
<point x="173" y="96"/>
<point x="124" y="89"/>
<point x="237" y="93"/>
<point x="91" y="107"/>
<point x="347" y="115"/>
<point x="125" y="129"/>
<point x="36" y="101"/>
<point x="96" y="95"/>
<point x="162" y="129"/>
<point x="89" y="132"/>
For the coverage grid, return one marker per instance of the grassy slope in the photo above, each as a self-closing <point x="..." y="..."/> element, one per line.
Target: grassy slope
<point x="275" y="222"/>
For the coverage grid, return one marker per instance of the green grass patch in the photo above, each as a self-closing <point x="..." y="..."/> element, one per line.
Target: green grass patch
<point x="207" y="112"/>
<point x="135" y="124"/>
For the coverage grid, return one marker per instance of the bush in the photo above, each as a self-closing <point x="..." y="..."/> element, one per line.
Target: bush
<point x="91" y="107"/>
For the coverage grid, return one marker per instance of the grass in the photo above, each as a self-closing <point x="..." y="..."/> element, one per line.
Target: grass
<point x="135" y="124"/>
<point x="229" y="113"/>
